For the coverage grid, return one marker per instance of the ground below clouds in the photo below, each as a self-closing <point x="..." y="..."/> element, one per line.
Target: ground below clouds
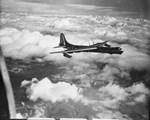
<point x="21" y="70"/>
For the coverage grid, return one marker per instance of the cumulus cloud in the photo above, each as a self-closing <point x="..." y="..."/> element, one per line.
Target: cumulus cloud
<point x="109" y="73"/>
<point x="47" y="90"/>
<point x="64" y="24"/>
<point x="142" y="98"/>
<point x="132" y="58"/>
<point x="116" y="91"/>
<point x="112" y="94"/>
<point x="109" y="96"/>
<point x="22" y="44"/>
<point x="140" y="92"/>
<point x="139" y="88"/>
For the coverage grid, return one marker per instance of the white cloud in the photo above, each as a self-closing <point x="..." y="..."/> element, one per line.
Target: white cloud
<point x="19" y="116"/>
<point x="131" y="58"/>
<point x="64" y="24"/>
<point x="108" y="73"/>
<point x="142" y="98"/>
<point x="112" y="95"/>
<point x="22" y="44"/>
<point x="47" y="90"/>
<point x="139" y="88"/>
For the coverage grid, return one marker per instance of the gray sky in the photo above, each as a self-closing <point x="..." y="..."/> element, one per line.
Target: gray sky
<point x="140" y="6"/>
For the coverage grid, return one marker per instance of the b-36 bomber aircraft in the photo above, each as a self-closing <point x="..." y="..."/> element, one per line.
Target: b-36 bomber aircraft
<point x="98" y="48"/>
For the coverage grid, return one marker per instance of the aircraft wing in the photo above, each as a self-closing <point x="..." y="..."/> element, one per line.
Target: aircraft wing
<point x="75" y="50"/>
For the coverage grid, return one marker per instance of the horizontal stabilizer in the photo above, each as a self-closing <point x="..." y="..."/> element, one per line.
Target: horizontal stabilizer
<point x="59" y="46"/>
<point x="57" y="52"/>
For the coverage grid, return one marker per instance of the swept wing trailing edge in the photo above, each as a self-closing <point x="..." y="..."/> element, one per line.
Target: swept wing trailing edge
<point x="98" y="47"/>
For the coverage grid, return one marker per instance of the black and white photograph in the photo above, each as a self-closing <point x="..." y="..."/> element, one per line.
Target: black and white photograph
<point x="75" y="59"/>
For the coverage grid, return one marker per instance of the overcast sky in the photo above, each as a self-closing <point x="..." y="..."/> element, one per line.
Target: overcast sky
<point x="140" y="6"/>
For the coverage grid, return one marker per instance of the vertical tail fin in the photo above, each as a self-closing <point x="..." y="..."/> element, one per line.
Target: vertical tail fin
<point x="63" y="41"/>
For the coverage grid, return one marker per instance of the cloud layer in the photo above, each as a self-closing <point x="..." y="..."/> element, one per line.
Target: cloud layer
<point x="28" y="36"/>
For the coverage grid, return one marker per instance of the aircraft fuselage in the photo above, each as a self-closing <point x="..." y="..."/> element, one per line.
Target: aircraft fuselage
<point x="98" y="47"/>
<point x="110" y="50"/>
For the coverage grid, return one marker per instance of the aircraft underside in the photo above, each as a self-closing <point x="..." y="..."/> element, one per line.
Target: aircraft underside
<point x="111" y="50"/>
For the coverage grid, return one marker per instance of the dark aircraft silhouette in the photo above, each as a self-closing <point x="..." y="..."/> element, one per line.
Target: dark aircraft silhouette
<point x="98" y="47"/>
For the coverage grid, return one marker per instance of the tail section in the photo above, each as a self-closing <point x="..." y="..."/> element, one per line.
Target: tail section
<point x="63" y="41"/>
